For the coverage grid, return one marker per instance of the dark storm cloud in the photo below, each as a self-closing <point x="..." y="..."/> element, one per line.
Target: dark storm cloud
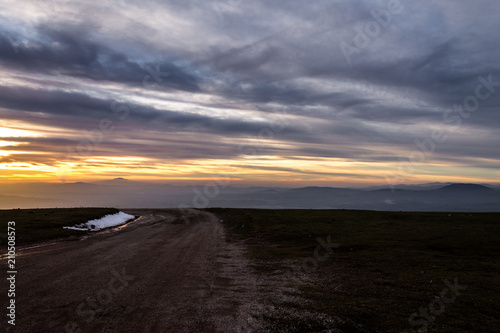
<point x="71" y="51"/>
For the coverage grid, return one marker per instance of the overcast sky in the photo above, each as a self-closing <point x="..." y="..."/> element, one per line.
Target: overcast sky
<point x="268" y="92"/>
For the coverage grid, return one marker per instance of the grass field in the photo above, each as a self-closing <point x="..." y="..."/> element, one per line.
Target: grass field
<point x="388" y="265"/>
<point x="377" y="270"/>
<point x="35" y="225"/>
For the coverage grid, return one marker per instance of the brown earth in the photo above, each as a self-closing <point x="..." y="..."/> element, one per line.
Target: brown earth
<point x="161" y="273"/>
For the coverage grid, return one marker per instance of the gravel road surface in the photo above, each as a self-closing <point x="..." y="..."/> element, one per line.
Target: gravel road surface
<point x="160" y="273"/>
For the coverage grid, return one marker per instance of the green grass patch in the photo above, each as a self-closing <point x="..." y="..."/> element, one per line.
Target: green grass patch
<point x="35" y="225"/>
<point x="388" y="265"/>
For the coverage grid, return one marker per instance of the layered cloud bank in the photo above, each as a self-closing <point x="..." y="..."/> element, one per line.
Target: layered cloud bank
<point x="338" y="93"/>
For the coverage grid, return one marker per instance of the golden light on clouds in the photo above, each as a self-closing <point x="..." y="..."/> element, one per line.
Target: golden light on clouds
<point x="6" y="132"/>
<point x="246" y="169"/>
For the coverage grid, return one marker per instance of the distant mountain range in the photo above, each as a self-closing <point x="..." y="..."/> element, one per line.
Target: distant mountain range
<point x="122" y="193"/>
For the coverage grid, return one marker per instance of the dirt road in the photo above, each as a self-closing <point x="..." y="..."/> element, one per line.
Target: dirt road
<point x="158" y="274"/>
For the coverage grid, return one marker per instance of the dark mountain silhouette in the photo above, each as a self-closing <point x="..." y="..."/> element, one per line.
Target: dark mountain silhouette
<point x="123" y="193"/>
<point x="466" y="187"/>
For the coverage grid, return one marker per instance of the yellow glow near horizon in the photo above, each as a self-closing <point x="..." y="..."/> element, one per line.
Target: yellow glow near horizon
<point x="6" y="132"/>
<point x="248" y="169"/>
<point x="263" y="169"/>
